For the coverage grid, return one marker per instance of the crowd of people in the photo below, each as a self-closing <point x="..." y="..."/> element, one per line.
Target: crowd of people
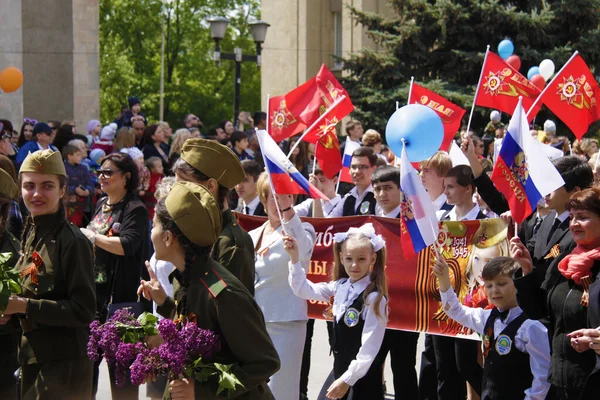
<point x="133" y="215"/>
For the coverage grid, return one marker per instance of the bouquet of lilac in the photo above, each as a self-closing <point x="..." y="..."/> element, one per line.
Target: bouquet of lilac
<point x="182" y="355"/>
<point x="120" y="340"/>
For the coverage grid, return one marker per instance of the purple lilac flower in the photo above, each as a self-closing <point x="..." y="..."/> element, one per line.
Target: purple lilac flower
<point x="123" y="316"/>
<point x="199" y="342"/>
<point x="146" y="362"/>
<point x="125" y="355"/>
<point x="168" y="330"/>
<point x="93" y="344"/>
<point x="109" y="341"/>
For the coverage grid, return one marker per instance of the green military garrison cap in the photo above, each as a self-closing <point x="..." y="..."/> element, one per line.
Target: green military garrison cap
<point x="214" y="160"/>
<point x="490" y="233"/>
<point x="44" y="162"/>
<point x="196" y="212"/>
<point x="8" y="185"/>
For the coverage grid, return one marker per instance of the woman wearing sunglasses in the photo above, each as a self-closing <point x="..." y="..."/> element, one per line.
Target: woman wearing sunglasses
<point x="57" y="302"/>
<point x="119" y="234"/>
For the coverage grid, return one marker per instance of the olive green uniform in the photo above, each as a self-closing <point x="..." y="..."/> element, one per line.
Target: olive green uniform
<point x="9" y="333"/>
<point x="234" y="250"/>
<point x="222" y="304"/>
<point x="62" y="304"/>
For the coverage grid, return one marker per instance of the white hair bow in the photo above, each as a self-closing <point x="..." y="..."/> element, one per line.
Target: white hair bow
<point x="368" y="230"/>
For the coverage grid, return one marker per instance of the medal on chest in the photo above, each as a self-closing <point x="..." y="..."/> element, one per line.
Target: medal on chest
<point x="503" y="345"/>
<point x="364" y="207"/>
<point x="351" y="317"/>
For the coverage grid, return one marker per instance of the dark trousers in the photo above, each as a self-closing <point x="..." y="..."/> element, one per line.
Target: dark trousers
<point x="69" y="379"/>
<point x="402" y="347"/>
<point x="428" y="373"/>
<point x="305" y="369"/>
<point x="8" y="364"/>
<point x="456" y="362"/>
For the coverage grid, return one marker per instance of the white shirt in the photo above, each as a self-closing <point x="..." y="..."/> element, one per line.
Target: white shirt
<point x="303" y="208"/>
<point x="470" y="216"/>
<point x="531" y="338"/>
<point x="272" y="291"/>
<point x="338" y="211"/>
<point x="162" y="270"/>
<point x="251" y="206"/>
<point x="345" y="293"/>
<point x="563" y="216"/>
<point x="439" y="202"/>
<point x="392" y="214"/>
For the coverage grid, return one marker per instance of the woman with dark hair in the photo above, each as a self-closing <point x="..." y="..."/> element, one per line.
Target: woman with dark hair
<point x="300" y="156"/>
<point x="26" y="133"/>
<point x="206" y="291"/>
<point x="57" y="301"/>
<point x="119" y="234"/>
<point x="154" y="145"/>
<point x="227" y="127"/>
<point x="563" y="297"/>
<point x="63" y="136"/>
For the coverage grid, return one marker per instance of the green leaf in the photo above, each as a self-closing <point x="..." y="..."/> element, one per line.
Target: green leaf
<point x="147" y="318"/>
<point x="4" y="257"/>
<point x="130" y="337"/>
<point x="15" y="288"/>
<point x="150" y="331"/>
<point x="3" y="300"/>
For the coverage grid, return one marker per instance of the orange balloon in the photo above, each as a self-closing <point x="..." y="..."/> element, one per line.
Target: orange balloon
<point x="11" y="79"/>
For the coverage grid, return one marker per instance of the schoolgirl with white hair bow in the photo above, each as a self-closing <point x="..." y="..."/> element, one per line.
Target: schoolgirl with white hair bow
<point x="359" y="287"/>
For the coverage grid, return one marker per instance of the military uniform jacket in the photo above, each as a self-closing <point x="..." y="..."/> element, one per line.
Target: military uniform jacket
<point x="62" y="299"/>
<point x="222" y="304"/>
<point x="234" y="250"/>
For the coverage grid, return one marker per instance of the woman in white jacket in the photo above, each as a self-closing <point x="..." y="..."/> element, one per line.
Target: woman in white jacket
<point x="285" y="313"/>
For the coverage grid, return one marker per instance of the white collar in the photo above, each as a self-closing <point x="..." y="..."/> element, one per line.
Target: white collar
<point x="470" y="216"/>
<point x="360" y="285"/>
<point x="563" y="216"/>
<point x="391" y="214"/>
<point x="333" y="201"/>
<point x="252" y="205"/>
<point x="439" y="202"/>
<point x="354" y="192"/>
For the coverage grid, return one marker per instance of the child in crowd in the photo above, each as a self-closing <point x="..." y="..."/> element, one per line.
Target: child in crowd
<point x="516" y="349"/>
<point x="155" y="165"/>
<point x="107" y="137"/>
<point x="79" y="185"/>
<point x="239" y="143"/>
<point x="137" y="156"/>
<point x="246" y="190"/>
<point x="327" y="187"/>
<point x="359" y="309"/>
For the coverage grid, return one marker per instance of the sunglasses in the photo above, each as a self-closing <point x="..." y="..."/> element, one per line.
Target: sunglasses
<point x="30" y="121"/>
<point x="107" y="173"/>
<point x="5" y="135"/>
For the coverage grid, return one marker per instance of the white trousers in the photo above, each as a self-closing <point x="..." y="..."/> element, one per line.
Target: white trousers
<point x="288" y="338"/>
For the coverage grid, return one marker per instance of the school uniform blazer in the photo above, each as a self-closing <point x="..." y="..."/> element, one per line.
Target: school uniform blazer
<point x="526" y="231"/>
<point x="492" y="196"/>
<point x="556" y="303"/>
<point x="539" y="249"/>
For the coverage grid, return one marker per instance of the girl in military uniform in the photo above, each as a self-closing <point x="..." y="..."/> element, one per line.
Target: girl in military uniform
<point x="57" y="303"/>
<point x="359" y="309"/>
<point x="206" y="289"/>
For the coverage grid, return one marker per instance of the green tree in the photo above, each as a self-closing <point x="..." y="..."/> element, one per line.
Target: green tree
<point x="130" y="48"/>
<point x="442" y="44"/>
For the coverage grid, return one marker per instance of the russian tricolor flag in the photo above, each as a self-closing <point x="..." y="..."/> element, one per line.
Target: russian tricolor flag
<point x="285" y="177"/>
<point x="522" y="172"/>
<point x="349" y="148"/>
<point x="419" y="226"/>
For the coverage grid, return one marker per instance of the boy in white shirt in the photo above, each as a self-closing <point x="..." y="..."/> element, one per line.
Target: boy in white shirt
<point x="516" y="349"/>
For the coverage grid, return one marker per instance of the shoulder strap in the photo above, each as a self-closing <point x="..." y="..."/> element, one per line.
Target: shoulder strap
<point x="213" y="282"/>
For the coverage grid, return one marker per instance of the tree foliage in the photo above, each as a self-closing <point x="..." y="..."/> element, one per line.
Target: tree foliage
<point x="442" y="44"/>
<point x="130" y="48"/>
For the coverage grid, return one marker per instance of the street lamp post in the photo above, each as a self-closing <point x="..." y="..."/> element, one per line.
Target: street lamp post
<point x="218" y="26"/>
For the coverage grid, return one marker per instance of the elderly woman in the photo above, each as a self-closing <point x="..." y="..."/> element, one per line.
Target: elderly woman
<point x="285" y="314"/>
<point x="208" y="291"/>
<point x="154" y="145"/>
<point x="57" y="302"/>
<point x="119" y="234"/>
<point x="562" y="298"/>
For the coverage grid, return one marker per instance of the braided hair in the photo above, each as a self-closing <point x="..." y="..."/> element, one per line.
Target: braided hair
<point x="191" y="249"/>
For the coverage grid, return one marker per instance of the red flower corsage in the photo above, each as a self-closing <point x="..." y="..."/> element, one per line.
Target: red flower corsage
<point x="33" y="269"/>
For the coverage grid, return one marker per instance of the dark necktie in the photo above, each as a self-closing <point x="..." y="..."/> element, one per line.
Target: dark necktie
<point x="247" y="209"/>
<point x="537" y="224"/>
<point x="553" y="229"/>
<point x="502" y="314"/>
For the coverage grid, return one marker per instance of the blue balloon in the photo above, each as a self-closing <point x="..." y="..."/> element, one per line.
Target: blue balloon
<point x="505" y="49"/>
<point x="420" y="127"/>
<point x="532" y="71"/>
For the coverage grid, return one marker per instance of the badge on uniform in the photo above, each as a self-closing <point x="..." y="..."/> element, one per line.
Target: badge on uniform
<point x="351" y="317"/>
<point x="364" y="207"/>
<point x="503" y="345"/>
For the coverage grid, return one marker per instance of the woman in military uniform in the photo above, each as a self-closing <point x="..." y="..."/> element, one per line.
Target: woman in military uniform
<point x="57" y="303"/>
<point x="209" y="291"/>
<point x="9" y="333"/>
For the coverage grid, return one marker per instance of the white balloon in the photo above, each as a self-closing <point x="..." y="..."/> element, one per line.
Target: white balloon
<point x="547" y="69"/>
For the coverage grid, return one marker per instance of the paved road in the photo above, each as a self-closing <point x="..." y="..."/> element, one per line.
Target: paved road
<point x="320" y="367"/>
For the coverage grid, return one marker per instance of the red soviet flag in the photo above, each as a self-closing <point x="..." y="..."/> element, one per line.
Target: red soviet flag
<point x="282" y="123"/>
<point x="501" y="85"/>
<point x="572" y="96"/>
<point x="450" y="113"/>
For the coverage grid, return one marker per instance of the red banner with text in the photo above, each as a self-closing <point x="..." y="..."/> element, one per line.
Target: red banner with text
<point x="414" y="298"/>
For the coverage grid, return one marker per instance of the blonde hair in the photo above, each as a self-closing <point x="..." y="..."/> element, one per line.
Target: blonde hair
<point x="263" y="188"/>
<point x="125" y="138"/>
<point x="378" y="280"/>
<point x="440" y="162"/>
<point x="181" y="135"/>
<point x="502" y="248"/>
<point x="583" y="146"/>
<point x="371" y="138"/>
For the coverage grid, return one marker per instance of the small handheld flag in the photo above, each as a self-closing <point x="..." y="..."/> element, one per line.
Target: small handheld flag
<point x="349" y="148"/>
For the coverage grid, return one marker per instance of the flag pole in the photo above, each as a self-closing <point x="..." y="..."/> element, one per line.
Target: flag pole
<point x="412" y="80"/>
<point x="397" y="105"/>
<point x="337" y="185"/>
<point x="321" y="117"/>
<point x="269" y="172"/>
<point x="487" y="51"/>
<point x="315" y="158"/>
<point x="538" y="99"/>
